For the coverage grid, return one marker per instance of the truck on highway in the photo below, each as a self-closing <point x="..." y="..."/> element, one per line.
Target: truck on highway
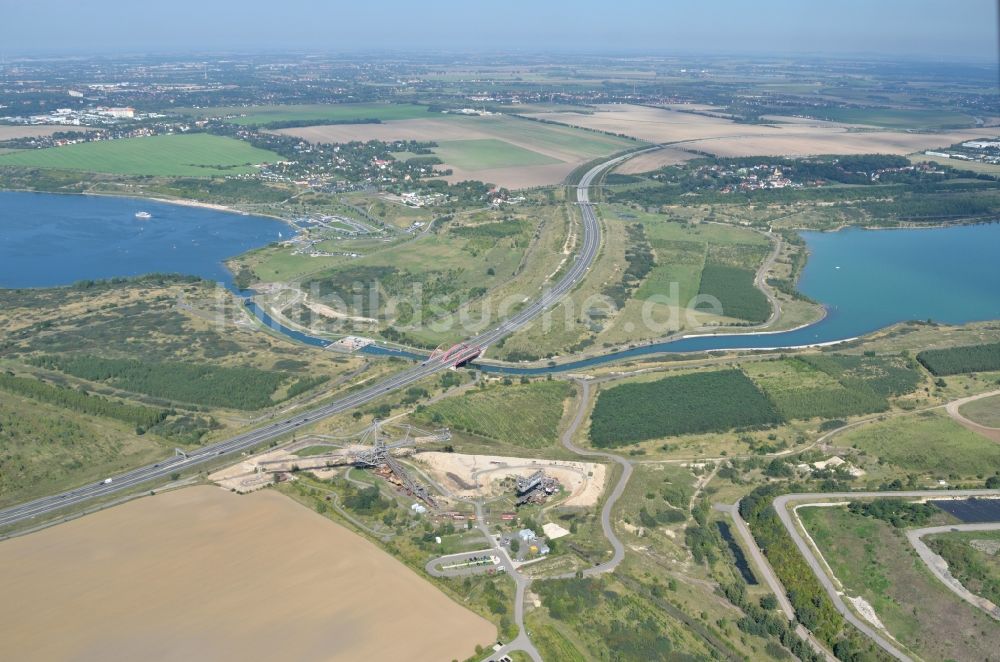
<point x="107" y="481"/>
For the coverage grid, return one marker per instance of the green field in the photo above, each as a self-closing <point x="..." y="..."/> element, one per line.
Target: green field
<point x="189" y="155"/>
<point x="551" y="138"/>
<point x="801" y="391"/>
<point x="236" y="387"/>
<point x="488" y="153"/>
<point x="886" y="375"/>
<point x="929" y="442"/>
<point x="985" y="411"/>
<point x="683" y="404"/>
<point x="45" y="448"/>
<point x="735" y="291"/>
<point x="319" y="113"/>
<point x="875" y="561"/>
<point x="520" y="415"/>
<point x="681" y="253"/>
<point x="891" y="118"/>
<point x="447" y="266"/>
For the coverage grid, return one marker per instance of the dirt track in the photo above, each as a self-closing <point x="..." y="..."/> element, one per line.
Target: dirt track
<point x="953" y="410"/>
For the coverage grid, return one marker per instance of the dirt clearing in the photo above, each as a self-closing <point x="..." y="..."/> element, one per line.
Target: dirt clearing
<point x="654" y="160"/>
<point x="479" y="475"/>
<point x="203" y="574"/>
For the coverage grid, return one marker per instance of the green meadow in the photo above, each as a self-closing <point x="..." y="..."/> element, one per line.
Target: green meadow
<point x="488" y="153"/>
<point x="188" y="155"/>
<point x="339" y="112"/>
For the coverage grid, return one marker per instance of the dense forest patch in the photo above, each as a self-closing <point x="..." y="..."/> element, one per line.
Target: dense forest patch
<point x="957" y="360"/>
<point x="685" y="404"/>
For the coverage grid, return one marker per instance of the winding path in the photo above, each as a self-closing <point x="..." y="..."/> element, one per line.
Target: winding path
<point x="618" y="548"/>
<point x="939" y="567"/>
<point x="522" y="582"/>
<point x="788" y="519"/>
<point x="953" y="410"/>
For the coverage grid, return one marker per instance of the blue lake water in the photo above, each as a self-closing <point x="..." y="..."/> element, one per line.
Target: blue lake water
<point x="866" y="279"/>
<point x="48" y="240"/>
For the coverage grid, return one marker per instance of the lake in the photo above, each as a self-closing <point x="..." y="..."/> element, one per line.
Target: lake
<point x="48" y="239"/>
<point x="866" y="279"/>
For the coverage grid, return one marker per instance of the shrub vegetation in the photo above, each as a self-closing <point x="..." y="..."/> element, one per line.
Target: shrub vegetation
<point x="685" y="404"/>
<point x="734" y="288"/>
<point x="235" y="387"/>
<point x="81" y="401"/>
<point x="958" y="360"/>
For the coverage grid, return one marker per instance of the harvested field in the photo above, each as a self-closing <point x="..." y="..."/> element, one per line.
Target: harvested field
<point x="722" y="137"/>
<point x="436" y="129"/>
<point x="479" y="475"/>
<point x="203" y="574"/>
<point x="805" y="142"/>
<point x="14" y="132"/>
<point x="517" y="177"/>
<point x="654" y="160"/>
<point x="984" y="411"/>
<point x="657" y="125"/>
<point x="533" y="154"/>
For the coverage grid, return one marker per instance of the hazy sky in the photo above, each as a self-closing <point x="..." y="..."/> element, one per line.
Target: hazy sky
<point x="928" y="28"/>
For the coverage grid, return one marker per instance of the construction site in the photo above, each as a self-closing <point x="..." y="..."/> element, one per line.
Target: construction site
<point x="535" y="489"/>
<point x="467" y="477"/>
<point x="376" y="448"/>
<point x="408" y="459"/>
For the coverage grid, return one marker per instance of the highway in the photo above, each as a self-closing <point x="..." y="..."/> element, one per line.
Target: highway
<point x="161" y="470"/>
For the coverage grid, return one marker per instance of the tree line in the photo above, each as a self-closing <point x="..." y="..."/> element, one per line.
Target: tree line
<point x="233" y="387"/>
<point x="958" y="360"/>
<point x="138" y="415"/>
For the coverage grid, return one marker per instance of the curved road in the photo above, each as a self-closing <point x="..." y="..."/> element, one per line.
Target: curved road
<point x="787" y="518"/>
<point x="619" y="489"/>
<point x="939" y="567"/>
<point x="953" y="410"/>
<point x="162" y="470"/>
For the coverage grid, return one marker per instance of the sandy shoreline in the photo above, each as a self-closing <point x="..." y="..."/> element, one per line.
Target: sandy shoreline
<point x="170" y="201"/>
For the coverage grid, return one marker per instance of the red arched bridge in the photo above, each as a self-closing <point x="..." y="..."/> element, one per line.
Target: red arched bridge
<point x="457" y="355"/>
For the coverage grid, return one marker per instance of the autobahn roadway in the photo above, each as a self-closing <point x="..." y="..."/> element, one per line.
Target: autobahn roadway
<point x="129" y="480"/>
